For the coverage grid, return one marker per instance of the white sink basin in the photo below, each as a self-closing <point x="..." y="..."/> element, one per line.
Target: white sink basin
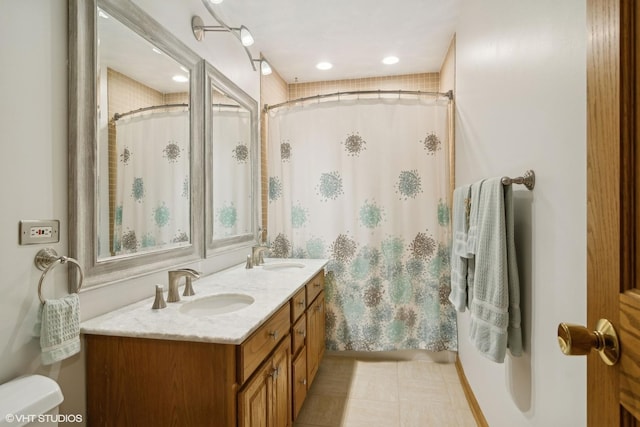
<point x="216" y="304"/>
<point x="282" y="265"/>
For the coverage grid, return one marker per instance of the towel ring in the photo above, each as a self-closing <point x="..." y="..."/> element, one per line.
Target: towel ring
<point x="46" y="260"/>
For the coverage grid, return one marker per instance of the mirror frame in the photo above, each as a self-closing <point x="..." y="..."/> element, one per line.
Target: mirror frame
<point x="213" y="77"/>
<point x="82" y="165"/>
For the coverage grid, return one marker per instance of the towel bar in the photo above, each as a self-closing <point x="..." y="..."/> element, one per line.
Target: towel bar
<point x="46" y="260"/>
<point x="528" y="180"/>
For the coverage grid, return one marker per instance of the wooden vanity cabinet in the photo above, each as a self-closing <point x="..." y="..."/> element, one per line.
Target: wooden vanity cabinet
<point x="150" y="382"/>
<point x="262" y="382"/>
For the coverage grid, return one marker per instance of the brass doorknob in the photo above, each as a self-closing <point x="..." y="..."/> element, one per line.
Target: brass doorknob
<point x="576" y="340"/>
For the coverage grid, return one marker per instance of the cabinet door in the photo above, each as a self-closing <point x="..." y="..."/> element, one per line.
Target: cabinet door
<point x="299" y="374"/>
<point x="254" y="400"/>
<point x="281" y="390"/>
<point x="315" y="337"/>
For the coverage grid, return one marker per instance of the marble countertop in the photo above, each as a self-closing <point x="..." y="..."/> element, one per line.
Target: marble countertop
<point x="271" y="288"/>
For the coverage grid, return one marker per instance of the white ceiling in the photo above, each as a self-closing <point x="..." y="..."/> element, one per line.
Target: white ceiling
<point x="354" y="35"/>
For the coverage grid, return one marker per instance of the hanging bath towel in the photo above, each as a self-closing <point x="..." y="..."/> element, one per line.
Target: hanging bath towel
<point x="495" y="306"/>
<point x="459" y="255"/>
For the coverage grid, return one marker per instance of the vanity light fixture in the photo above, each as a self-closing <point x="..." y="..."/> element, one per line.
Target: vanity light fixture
<point x="265" y="67"/>
<point x="242" y="33"/>
<point x="198" y="28"/>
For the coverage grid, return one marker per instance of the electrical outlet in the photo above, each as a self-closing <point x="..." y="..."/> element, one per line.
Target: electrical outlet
<point x="33" y="232"/>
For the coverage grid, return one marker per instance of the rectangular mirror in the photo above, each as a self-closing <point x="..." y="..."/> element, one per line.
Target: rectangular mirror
<point x="231" y="149"/>
<point x="136" y="135"/>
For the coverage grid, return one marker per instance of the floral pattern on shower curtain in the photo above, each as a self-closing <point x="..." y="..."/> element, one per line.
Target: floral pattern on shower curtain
<point x="152" y="190"/>
<point x="365" y="183"/>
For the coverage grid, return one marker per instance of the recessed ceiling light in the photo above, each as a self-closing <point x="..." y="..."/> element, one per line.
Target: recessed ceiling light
<point x="156" y="50"/>
<point x="390" y="60"/>
<point x="180" y="78"/>
<point x="324" y="66"/>
<point x="216" y="1"/>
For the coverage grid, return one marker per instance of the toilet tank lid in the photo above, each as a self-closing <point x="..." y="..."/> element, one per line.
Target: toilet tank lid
<point x="29" y="395"/>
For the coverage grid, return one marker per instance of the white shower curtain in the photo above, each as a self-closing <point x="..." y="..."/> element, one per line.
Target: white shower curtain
<point x="365" y="183"/>
<point x="152" y="190"/>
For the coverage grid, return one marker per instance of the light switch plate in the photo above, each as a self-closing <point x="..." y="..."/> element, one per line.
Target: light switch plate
<point x="33" y="232"/>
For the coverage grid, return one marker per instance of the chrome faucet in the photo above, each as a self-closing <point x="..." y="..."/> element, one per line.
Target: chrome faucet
<point x="174" y="281"/>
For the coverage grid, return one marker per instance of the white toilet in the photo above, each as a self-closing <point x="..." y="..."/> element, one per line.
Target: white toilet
<point x="32" y="400"/>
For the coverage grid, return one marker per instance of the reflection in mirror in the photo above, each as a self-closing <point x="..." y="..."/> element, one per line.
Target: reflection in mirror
<point x="231" y="140"/>
<point x="135" y="124"/>
<point x="231" y="143"/>
<point x="143" y="144"/>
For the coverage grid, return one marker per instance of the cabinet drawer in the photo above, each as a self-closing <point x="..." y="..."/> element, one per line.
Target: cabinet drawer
<point x="255" y="349"/>
<point x="299" y="374"/>
<point x="314" y="287"/>
<point x="298" y="304"/>
<point x="298" y="334"/>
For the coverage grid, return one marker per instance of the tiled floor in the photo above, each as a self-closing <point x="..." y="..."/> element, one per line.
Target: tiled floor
<point x="351" y="392"/>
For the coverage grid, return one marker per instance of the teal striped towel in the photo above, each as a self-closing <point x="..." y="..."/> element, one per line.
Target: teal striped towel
<point x="59" y="329"/>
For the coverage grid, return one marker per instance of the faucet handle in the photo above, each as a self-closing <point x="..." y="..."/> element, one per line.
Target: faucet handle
<point x="159" y="302"/>
<point x="249" y="263"/>
<point x="188" y="286"/>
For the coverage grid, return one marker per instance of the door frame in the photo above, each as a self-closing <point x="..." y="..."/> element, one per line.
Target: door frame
<point x="611" y="187"/>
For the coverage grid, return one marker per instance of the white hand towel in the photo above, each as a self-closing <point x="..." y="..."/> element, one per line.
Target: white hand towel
<point x="59" y="328"/>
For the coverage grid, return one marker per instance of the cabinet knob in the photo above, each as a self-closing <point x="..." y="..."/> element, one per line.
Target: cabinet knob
<point x="301" y="303"/>
<point x="274" y="334"/>
<point x="303" y="381"/>
<point x="316" y="285"/>
<point x="301" y="332"/>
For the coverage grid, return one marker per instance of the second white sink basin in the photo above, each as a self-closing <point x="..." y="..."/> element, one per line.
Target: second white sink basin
<point x="281" y="265"/>
<point x="216" y="304"/>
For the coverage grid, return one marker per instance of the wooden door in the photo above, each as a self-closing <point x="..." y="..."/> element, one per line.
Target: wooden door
<point x="255" y="399"/>
<point x="613" y="392"/>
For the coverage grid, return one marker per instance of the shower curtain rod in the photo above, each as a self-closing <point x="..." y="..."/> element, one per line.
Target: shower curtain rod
<point x="448" y="94"/>
<point x="226" y="105"/>
<point x="118" y="116"/>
